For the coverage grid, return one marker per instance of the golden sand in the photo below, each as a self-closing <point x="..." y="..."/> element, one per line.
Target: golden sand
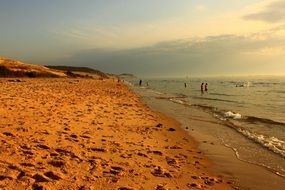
<point x="92" y="134"/>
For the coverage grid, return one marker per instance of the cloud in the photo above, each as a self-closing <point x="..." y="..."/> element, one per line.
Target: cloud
<point x="212" y="55"/>
<point x="201" y="8"/>
<point x="273" y="12"/>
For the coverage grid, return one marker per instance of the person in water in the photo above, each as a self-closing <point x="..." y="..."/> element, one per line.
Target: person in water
<point x="206" y="87"/>
<point x="140" y="82"/>
<point x="185" y="85"/>
<point x="202" y="87"/>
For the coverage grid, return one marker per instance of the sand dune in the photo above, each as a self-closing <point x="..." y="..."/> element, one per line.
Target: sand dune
<point x="92" y="134"/>
<point x="10" y="68"/>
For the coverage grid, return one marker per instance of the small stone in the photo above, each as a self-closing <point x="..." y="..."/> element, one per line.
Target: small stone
<point x="171" y="129"/>
<point x="159" y="125"/>
<point x="160" y="187"/>
<point x="208" y="182"/>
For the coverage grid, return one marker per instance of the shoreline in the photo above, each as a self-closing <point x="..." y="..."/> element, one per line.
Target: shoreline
<point x="93" y="134"/>
<point x="206" y="131"/>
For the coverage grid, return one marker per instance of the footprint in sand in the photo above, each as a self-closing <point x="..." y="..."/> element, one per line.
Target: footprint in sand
<point x="160" y="172"/>
<point x="171" y="161"/>
<point x="194" y="185"/>
<point x="126" y="188"/>
<point x="42" y="146"/>
<point x="52" y="175"/>
<point x="3" y="177"/>
<point x="98" y="149"/>
<point x="27" y="164"/>
<point x="8" y="134"/>
<point x="40" y="178"/>
<point x="160" y="187"/>
<point x="57" y="163"/>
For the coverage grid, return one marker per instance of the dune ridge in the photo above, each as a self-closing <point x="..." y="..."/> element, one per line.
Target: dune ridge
<point x="10" y="68"/>
<point x="13" y="68"/>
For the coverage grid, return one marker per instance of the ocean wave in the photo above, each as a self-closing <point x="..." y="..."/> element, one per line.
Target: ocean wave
<point x="244" y="84"/>
<point x="156" y="92"/>
<point x="181" y="95"/>
<point x="241" y="83"/>
<point x="233" y="115"/>
<point x="128" y="83"/>
<point x="223" y="115"/>
<point x="279" y="91"/>
<point x="266" y="83"/>
<point x="253" y="162"/>
<point x="213" y="99"/>
<point x="220" y="94"/>
<point x="177" y="101"/>
<point x="272" y="143"/>
<point x="253" y="119"/>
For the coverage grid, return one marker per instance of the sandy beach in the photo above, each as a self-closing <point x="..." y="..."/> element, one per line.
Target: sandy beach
<point x="92" y="134"/>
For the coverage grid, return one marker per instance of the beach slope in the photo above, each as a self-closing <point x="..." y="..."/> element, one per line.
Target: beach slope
<point x="92" y="134"/>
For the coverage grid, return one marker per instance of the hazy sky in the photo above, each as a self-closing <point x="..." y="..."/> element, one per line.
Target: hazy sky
<point x="148" y="37"/>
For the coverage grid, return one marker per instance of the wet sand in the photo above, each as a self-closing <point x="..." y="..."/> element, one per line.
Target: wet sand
<point x="207" y="131"/>
<point x="92" y="134"/>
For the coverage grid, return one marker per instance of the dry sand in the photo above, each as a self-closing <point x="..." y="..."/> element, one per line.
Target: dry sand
<point x="92" y="134"/>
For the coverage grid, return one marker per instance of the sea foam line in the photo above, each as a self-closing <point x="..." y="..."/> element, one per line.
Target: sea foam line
<point x="250" y="162"/>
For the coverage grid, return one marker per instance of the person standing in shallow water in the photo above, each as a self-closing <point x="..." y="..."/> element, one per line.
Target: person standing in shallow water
<point x="140" y="83"/>
<point x="206" y="87"/>
<point x="185" y="85"/>
<point x="202" y="87"/>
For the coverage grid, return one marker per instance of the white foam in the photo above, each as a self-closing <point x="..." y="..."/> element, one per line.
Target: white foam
<point x="272" y="143"/>
<point x="230" y="114"/>
<point x="251" y="162"/>
<point x="156" y="92"/>
<point x="128" y="83"/>
<point x="176" y="101"/>
<point x="219" y="117"/>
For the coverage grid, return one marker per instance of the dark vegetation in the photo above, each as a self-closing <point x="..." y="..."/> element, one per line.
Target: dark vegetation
<point x="129" y="75"/>
<point x="74" y="75"/>
<point x="69" y="70"/>
<point x="4" y="72"/>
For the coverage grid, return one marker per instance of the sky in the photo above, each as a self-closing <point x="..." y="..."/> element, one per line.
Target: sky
<point x="148" y="38"/>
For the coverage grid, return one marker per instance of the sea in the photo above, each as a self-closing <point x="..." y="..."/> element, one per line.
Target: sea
<point x="251" y="106"/>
